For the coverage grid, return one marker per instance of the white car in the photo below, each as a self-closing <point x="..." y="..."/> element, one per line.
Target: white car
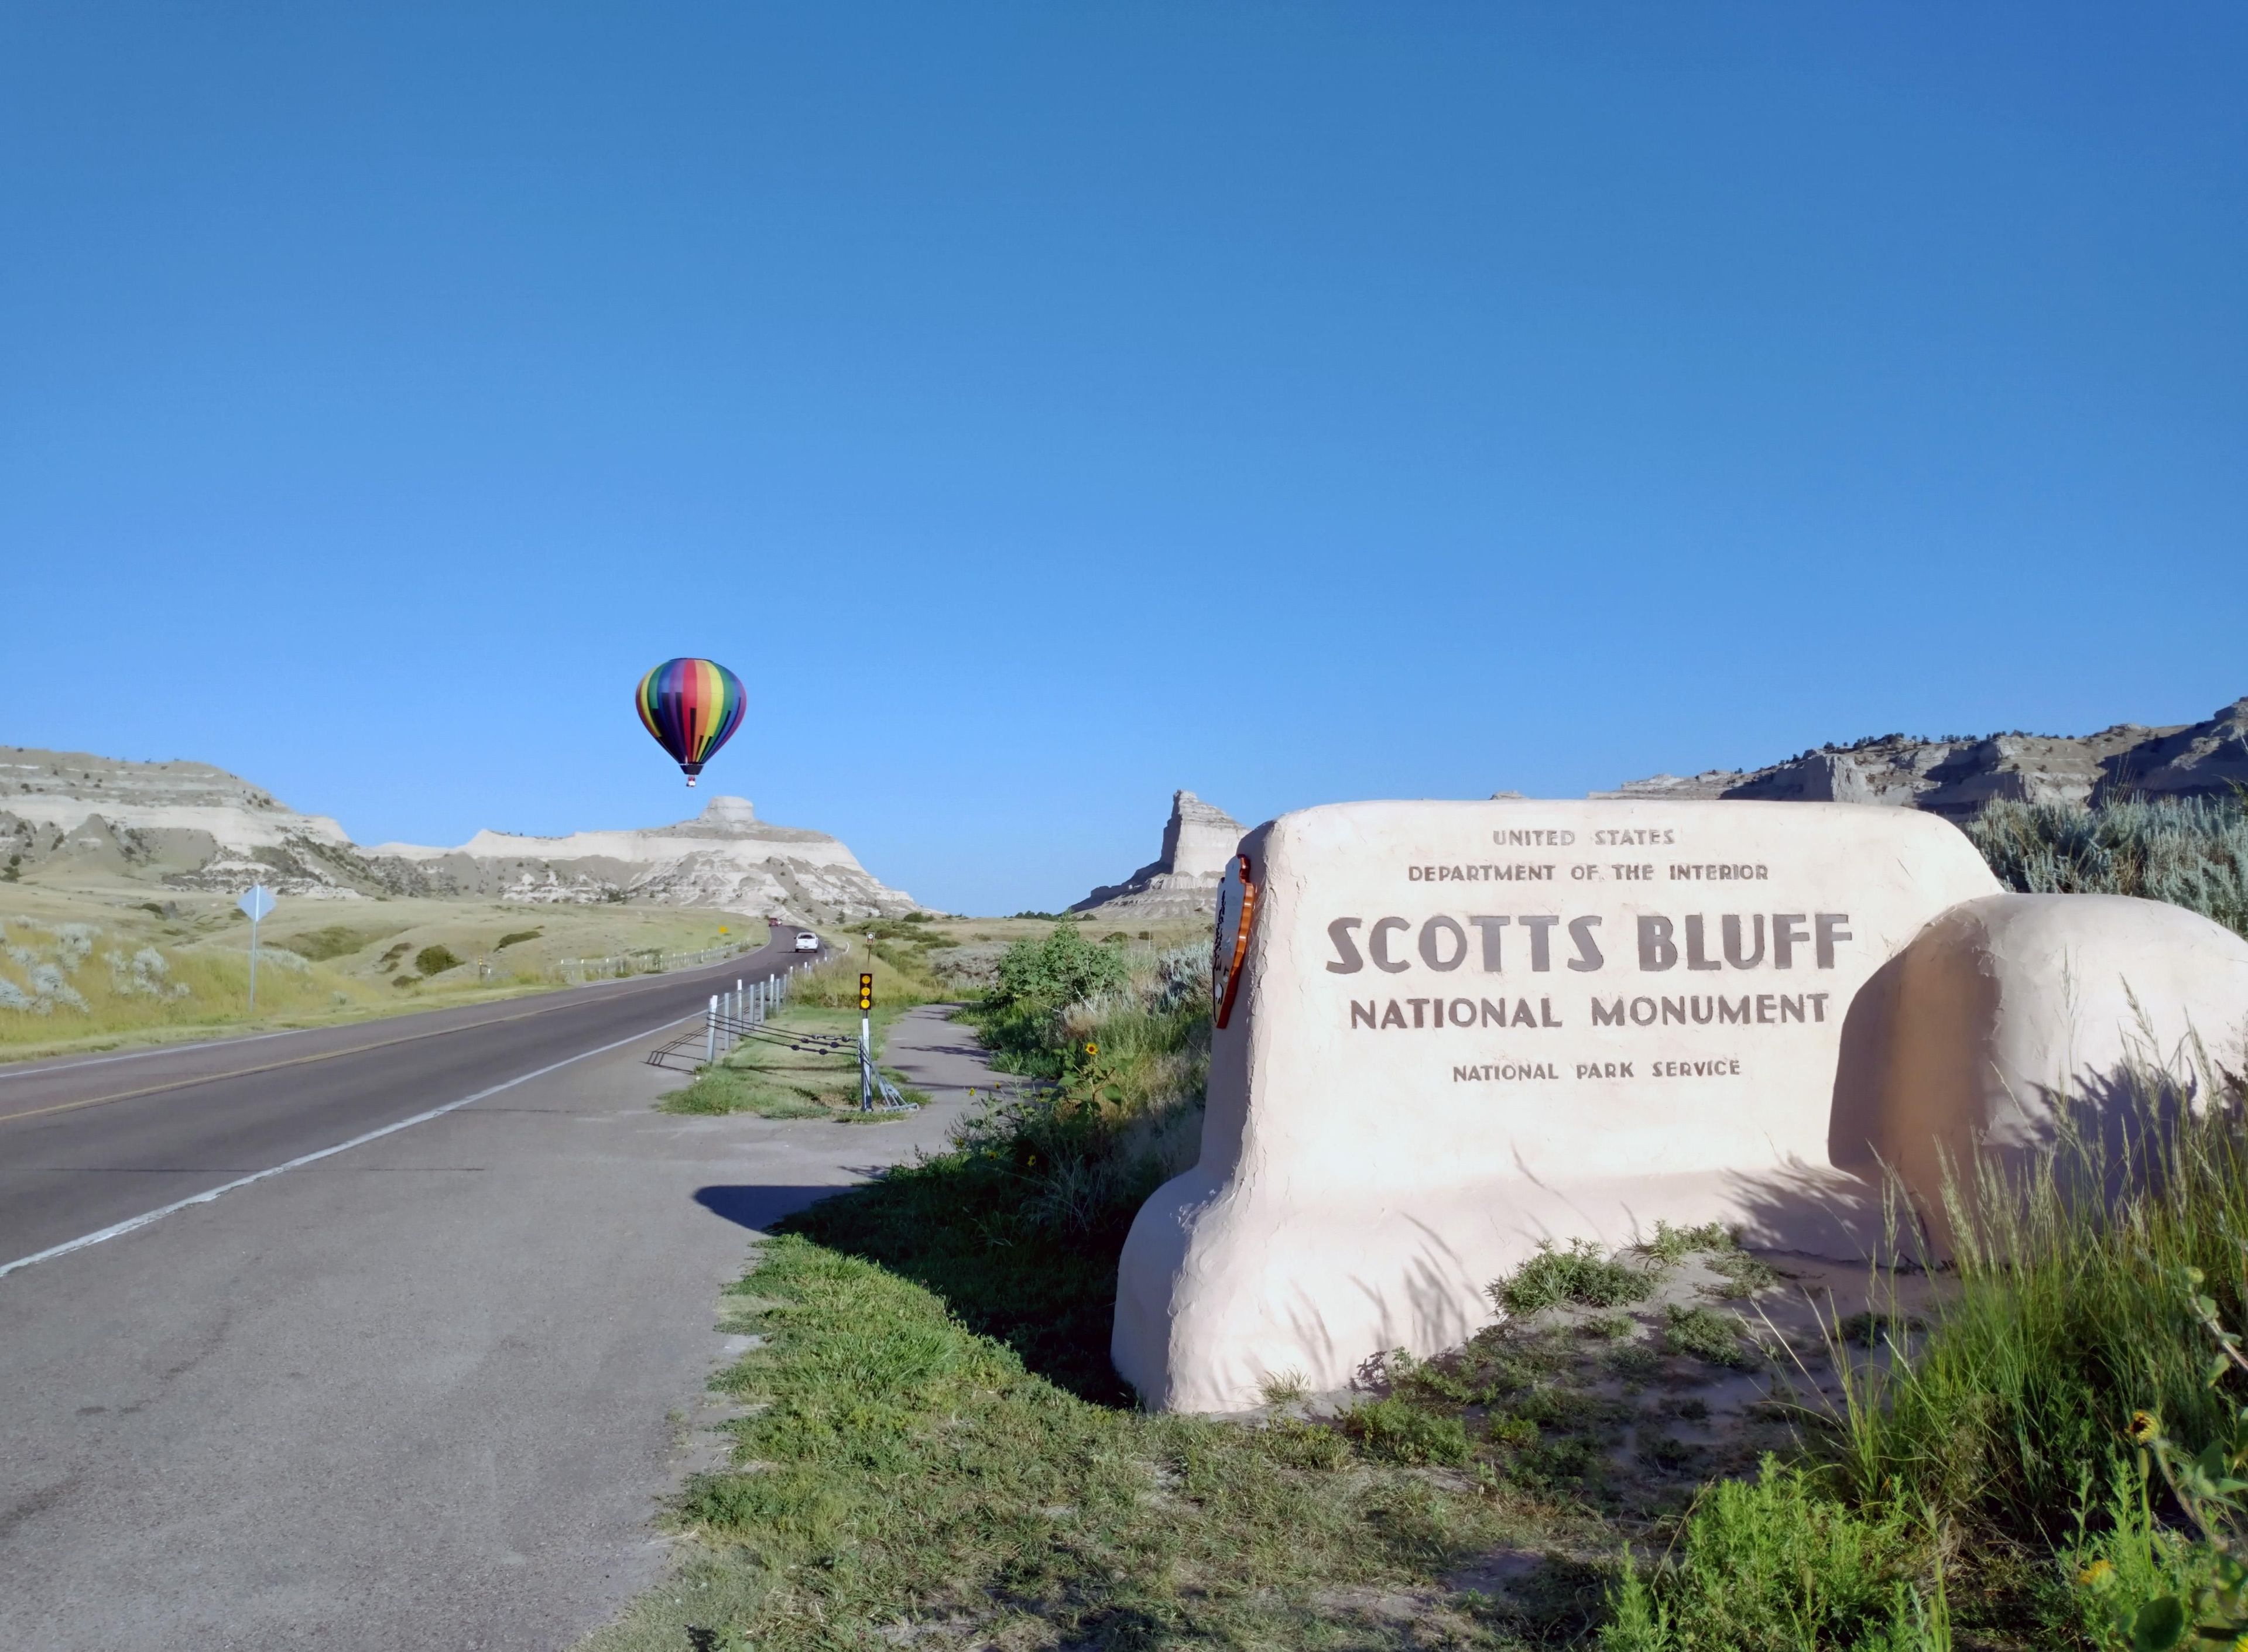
<point x="806" y="942"/>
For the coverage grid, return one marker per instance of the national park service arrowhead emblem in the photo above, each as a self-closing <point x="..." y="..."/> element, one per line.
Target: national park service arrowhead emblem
<point x="1236" y="910"/>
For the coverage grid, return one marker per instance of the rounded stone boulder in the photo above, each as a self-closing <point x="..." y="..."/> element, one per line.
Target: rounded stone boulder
<point x="2010" y="1019"/>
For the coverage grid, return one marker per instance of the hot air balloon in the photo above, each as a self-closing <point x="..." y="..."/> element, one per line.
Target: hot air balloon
<point x="692" y="707"/>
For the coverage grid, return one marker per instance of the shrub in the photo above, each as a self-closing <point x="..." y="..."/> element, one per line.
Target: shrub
<point x="516" y="938"/>
<point x="1038" y="980"/>
<point x="2190" y="851"/>
<point x="1779" y="1564"/>
<point x="1063" y="969"/>
<point x="1579" y="1274"/>
<point x="435" y="960"/>
<point x="1397" y="1432"/>
<point x="1707" y="1335"/>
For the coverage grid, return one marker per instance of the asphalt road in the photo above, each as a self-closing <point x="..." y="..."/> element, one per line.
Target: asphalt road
<point x="89" y="1143"/>
<point x="426" y="1392"/>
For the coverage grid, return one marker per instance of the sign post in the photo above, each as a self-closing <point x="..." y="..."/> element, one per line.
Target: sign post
<point x="256" y="903"/>
<point x="866" y="1043"/>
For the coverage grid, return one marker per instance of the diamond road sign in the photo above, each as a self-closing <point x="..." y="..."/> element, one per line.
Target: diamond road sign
<point x="256" y="903"/>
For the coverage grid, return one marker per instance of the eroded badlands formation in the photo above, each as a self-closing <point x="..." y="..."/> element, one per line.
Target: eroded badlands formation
<point x="1957" y="776"/>
<point x="193" y="826"/>
<point x="724" y="857"/>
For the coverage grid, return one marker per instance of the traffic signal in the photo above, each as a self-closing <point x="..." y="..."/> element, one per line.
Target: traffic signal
<point x="866" y="992"/>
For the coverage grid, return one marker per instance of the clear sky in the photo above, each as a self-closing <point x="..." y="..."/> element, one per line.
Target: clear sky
<point x="1044" y="407"/>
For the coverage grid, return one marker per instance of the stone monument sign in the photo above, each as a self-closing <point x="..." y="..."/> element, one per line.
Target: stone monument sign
<point x="1459" y="1028"/>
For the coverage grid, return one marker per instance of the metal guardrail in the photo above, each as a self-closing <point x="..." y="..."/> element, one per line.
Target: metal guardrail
<point x="731" y="1018"/>
<point x="643" y="961"/>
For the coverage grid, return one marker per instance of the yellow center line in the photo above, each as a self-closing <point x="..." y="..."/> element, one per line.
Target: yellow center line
<point x="295" y="1061"/>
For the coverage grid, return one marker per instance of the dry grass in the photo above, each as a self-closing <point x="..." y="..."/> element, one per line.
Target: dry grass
<point x="84" y="968"/>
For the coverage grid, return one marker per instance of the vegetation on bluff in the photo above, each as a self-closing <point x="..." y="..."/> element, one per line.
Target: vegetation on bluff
<point x="2190" y="851"/>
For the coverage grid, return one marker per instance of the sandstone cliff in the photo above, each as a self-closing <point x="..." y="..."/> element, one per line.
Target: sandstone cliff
<point x="66" y="814"/>
<point x="725" y="857"/>
<point x="1955" y="776"/>
<point x="1182" y="881"/>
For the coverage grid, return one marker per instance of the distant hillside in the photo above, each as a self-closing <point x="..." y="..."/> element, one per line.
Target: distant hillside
<point x="69" y="816"/>
<point x="1954" y="776"/>
<point x="724" y="857"/>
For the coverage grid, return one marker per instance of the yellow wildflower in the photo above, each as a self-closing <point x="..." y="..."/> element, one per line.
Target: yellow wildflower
<point x="2143" y="1427"/>
<point x="2098" y="1575"/>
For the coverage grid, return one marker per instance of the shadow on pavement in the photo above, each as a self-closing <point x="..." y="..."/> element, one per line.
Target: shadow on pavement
<point x="757" y="1209"/>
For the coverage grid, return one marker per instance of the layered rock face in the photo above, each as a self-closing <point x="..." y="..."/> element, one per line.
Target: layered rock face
<point x="184" y="824"/>
<point x="726" y="857"/>
<point x="1955" y="777"/>
<point x="187" y="825"/>
<point x="1181" y="882"/>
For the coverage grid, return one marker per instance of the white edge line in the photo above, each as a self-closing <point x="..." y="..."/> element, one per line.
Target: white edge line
<point x="132" y="1224"/>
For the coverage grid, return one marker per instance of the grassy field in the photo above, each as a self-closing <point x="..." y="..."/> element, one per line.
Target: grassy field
<point x="805" y="1078"/>
<point x="92" y="968"/>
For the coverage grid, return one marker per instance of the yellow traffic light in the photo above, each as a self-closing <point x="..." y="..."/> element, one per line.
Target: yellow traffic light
<point x="866" y="992"/>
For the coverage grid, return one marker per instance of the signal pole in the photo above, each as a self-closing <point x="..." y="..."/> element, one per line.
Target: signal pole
<point x="866" y="1043"/>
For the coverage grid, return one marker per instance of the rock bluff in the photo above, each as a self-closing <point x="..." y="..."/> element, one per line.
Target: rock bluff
<point x="1955" y="776"/>
<point x="189" y="826"/>
<point x="1182" y="881"/>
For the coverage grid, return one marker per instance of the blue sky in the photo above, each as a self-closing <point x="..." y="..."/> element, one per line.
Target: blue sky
<point x="1044" y="407"/>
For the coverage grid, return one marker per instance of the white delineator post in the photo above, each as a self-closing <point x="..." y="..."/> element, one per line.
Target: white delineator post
<point x="256" y="901"/>
<point x="710" y="1032"/>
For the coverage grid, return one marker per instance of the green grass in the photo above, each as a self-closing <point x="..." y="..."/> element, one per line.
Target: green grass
<point x="903" y="1479"/>
<point x="977" y="1226"/>
<point x="2069" y="1316"/>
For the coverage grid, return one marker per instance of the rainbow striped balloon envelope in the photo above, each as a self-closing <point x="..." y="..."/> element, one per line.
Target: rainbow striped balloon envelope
<point x="692" y="707"/>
